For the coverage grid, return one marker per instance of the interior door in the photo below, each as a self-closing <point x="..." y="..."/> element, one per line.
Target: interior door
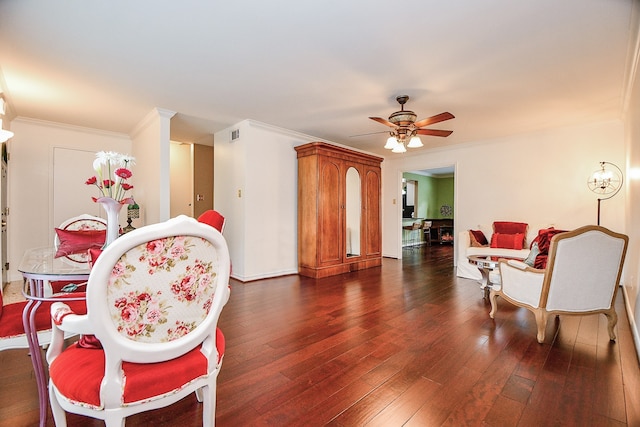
<point x="4" y="214"/>
<point x="202" y="179"/>
<point x="372" y="209"/>
<point x="181" y="180"/>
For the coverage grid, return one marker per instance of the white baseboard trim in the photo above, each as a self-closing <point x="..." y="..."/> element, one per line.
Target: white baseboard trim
<point x="264" y="276"/>
<point x="632" y="321"/>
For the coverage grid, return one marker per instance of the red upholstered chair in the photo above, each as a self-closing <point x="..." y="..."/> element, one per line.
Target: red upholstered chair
<point x="213" y="218"/>
<point x="154" y="297"/>
<point x="73" y="239"/>
<point x="12" y="330"/>
<point x="75" y="236"/>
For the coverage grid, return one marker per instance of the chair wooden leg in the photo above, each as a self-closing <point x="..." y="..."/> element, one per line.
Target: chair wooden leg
<point x="494" y="306"/>
<point x="541" y="322"/>
<point x="59" y="414"/>
<point x="612" y="320"/>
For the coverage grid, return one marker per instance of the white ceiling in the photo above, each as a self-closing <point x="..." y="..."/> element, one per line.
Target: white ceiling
<point x="321" y="68"/>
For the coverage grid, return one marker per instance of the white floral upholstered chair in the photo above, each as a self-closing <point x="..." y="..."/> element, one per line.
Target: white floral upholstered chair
<point x="582" y="276"/>
<point x="154" y="297"/>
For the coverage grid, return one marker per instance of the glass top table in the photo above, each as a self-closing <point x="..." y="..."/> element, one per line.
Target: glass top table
<point x="40" y="267"/>
<point x="42" y="261"/>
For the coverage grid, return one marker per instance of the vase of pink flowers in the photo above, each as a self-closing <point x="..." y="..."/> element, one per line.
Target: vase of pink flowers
<point x="113" y="170"/>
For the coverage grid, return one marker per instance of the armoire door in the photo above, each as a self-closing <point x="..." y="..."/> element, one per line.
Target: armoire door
<point x="330" y="215"/>
<point x="371" y="212"/>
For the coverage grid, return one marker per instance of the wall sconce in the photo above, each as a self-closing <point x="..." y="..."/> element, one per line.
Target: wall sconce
<point x="133" y="212"/>
<point x="606" y="182"/>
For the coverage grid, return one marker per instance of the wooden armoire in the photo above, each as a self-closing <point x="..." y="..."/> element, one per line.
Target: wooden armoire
<point x="339" y="213"/>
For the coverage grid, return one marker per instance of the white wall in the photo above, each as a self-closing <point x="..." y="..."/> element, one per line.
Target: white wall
<point x="151" y="148"/>
<point x="229" y="184"/>
<point x="255" y="180"/>
<point x="30" y="174"/>
<point x="631" y="285"/>
<point x="538" y="178"/>
<point x="181" y="180"/>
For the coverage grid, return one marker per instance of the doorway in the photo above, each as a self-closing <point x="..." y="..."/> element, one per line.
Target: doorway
<point x="3" y="214"/>
<point x="432" y="191"/>
<point x="191" y="179"/>
<point x="409" y="197"/>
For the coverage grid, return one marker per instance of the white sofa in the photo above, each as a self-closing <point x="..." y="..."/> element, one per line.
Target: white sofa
<point x="470" y="271"/>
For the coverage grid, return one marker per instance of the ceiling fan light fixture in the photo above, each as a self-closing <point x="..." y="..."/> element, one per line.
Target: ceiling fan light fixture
<point x="405" y="128"/>
<point x="392" y="142"/>
<point x="415" y="142"/>
<point x="399" y="148"/>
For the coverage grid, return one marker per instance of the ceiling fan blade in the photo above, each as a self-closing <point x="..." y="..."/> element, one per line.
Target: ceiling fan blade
<point x="371" y="133"/>
<point x="383" y="121"/>
<point x="434" y="132"/>
<point x="434" y="119"/>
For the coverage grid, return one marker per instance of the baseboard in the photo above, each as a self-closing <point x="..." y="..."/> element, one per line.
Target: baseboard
<point x="632" y="321"/>
<point x="263" y="276"/>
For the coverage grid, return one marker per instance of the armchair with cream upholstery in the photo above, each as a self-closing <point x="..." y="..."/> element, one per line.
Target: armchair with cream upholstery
<point x="154" y="297"/>
<point x="582" y="276"/>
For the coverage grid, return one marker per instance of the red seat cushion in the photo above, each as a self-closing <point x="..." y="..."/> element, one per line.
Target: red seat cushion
<point x="78" y="372"/>
<point x="11" y="320"/>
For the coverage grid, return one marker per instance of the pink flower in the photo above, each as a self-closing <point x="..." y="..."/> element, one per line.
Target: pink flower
<point x="177" y="251"/>
<point x="157" y="261"/>
<point x="135" y="329"/>
<point x="187" y="281"/>
<point x="205" y="282"/>
<point x="181" y="330"/>
<point x="155" y="247"/>
<point x="129" y="313"/>
<point x="153" y="316"/>
<point x="207" y="305"/>
<point x="119" y="269"/>
<point x="123" y="173"/>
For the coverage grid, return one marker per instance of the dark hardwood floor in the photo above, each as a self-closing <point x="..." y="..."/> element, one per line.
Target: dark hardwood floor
<point x="407" y="344"/>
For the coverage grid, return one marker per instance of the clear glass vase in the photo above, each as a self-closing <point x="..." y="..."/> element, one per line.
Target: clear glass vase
<point x="112" y="207"/>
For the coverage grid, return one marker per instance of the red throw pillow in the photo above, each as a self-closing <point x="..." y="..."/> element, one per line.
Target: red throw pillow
<point x="507" y="241"/>
<point x="540" y="262"/>
<point x="477" y="238"/>
<point x="510" y="227"/>
<point x="544" y="239"/>
<point x="78" y="241"/>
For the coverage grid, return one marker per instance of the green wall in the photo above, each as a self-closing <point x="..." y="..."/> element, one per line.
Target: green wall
<point x="432" y="194"/>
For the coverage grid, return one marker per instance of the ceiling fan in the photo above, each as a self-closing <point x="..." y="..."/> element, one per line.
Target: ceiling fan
<point x="406" y="129"/>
